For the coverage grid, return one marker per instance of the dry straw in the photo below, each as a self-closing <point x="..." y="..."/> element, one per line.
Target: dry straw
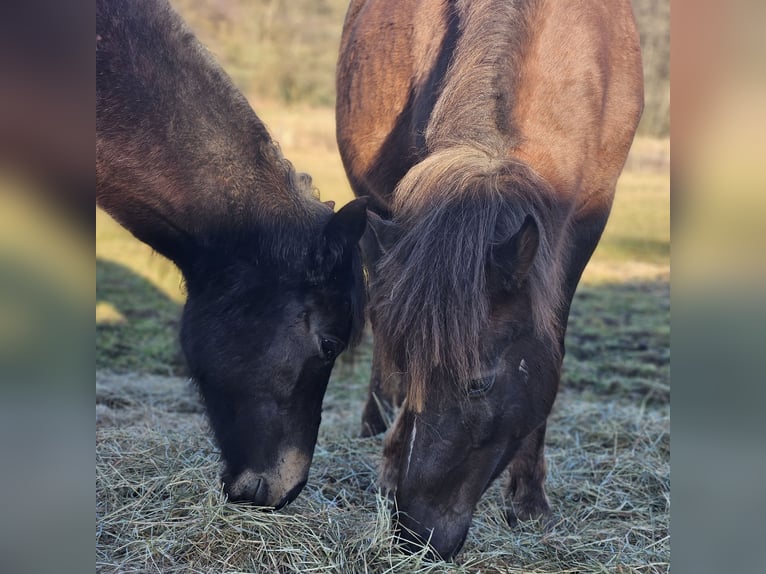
<point x="160" y="508"/>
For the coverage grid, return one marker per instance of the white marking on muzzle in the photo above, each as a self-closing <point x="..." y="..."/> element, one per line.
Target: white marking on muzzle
<point x="290" y="471"/>
<point x="412" y="444"/>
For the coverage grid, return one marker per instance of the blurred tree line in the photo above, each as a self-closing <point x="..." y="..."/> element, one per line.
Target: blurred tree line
<point x="286" y="50"/>
<point x="653" y="18"/>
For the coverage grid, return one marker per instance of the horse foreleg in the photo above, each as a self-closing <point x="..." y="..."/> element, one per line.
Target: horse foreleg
<point x="524" y="495"/>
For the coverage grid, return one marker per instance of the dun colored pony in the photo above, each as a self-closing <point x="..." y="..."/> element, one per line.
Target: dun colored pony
<point x="273" y="278"/>
<point x="488" y="136"/>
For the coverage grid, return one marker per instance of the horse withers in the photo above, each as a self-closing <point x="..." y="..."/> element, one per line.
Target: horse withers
<point x="275" y="290"/>
<point x="488" y="136"/>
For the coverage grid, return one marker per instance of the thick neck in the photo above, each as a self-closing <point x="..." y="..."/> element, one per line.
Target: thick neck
<point x="177" y="136"/>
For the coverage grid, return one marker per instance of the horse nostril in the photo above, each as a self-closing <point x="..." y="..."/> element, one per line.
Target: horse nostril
<point x="249" y="488"/>
<point x="443" y="540"/>
<point x="259" y="494"/>
<point x="331" y="347"/>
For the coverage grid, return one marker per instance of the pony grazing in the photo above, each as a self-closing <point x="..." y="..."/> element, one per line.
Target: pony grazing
<point x="488" y="136"/>
<point x="274" y="281"/>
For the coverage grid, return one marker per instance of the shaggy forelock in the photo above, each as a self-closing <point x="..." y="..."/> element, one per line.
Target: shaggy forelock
<point x="431" y="298"/>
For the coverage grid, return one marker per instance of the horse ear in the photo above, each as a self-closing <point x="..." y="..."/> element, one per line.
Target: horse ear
<point x="381" y="234"/>
<point x="346" y="227"/>
<point x="513" y="258"/>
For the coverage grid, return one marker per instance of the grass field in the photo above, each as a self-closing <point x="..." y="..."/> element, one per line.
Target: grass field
<point x="159" y="505"/>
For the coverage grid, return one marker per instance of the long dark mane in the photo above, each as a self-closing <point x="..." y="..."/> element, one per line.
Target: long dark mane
<point x="432" y="294"/>
<point x="466" y="196"/>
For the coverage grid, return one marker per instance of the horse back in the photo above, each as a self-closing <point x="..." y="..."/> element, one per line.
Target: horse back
<point x="576" y="90"/>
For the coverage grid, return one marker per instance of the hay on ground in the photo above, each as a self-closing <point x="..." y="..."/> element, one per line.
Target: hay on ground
<point x="160" y="507"/>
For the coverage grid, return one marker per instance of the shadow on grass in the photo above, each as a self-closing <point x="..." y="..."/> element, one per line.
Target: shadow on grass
<point x="618" y="341"/>
<point x="136" y="323"/>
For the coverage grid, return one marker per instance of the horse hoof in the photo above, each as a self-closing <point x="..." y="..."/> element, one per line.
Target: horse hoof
<point x="528" y="513"/>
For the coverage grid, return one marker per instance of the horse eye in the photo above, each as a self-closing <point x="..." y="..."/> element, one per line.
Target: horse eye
<point x="479" y="387"/>
<point x="331" y="347"/>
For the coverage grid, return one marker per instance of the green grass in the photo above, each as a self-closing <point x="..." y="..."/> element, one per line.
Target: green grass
<point x="138" y="304"/>
<point x="618" y="341"/>
<point x="639" y="225"/>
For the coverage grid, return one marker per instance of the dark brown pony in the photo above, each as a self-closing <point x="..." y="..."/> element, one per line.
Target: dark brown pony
<point x="489" y="136"/>
<point x="274" y="281"/>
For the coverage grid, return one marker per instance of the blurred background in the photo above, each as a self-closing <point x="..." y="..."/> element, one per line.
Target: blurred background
<point x="719" y="307"/>
<point x="284" y="51"/>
